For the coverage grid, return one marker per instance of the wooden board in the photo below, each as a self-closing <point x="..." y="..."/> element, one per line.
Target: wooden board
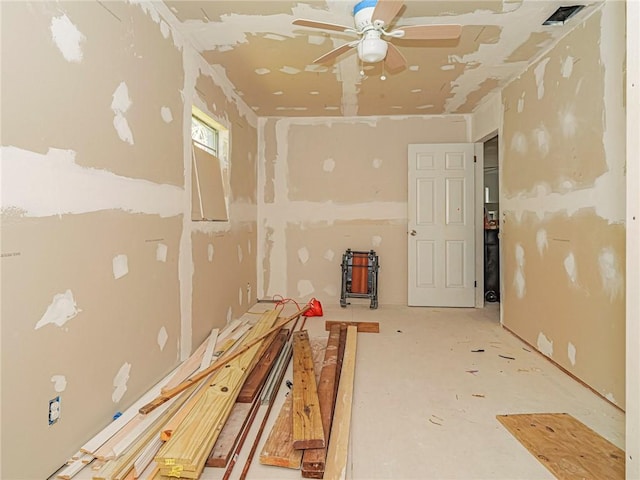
<point x="336" y="463"/>
<point x="278" y="449"/>
<point x="259" y="373"/>
<point x="307" y="420"/>
<point x="360" y="273"/>
<point x="223" y="448"/>
<point x="313" y="459"/>
<point x="566" y="447"/>
<point x="363" y="327"/>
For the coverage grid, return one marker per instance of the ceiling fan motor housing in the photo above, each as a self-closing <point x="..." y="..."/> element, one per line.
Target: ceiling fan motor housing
<point x="362" y="13"/>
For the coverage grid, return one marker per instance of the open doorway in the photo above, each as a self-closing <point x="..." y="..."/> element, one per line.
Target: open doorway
<point x="491" y="222"/>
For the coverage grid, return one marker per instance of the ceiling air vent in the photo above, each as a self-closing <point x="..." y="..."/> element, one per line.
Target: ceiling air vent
<point x="562" y="14"/>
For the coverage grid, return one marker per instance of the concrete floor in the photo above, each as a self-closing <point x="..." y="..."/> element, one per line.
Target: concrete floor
<point x="415" y="415"/>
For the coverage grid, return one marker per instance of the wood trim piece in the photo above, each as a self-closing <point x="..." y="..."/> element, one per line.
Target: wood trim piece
<point x="363" y="327"/>
<point x="228" y="438"/>
<point x="335" y="467"/>
<point x="307" y="420"/>
<point x="278" y="449"/>
<point x="313" y="459"/>
<point x="208" y="353"/>
<point x="259" y="373"/>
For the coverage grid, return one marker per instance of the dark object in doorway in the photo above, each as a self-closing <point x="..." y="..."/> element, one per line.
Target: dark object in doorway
<point x="359" y="276"/>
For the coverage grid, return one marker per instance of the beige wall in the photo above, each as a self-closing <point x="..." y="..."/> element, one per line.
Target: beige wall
<point x="331" y="184"/>
<point x="563" y="194"/>
<point x="106" y="282"/>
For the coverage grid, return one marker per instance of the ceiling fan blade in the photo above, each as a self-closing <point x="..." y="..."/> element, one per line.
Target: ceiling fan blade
<point x="325" y="26"/>
<point x="394" y="59"/>
<point x="386" y="11"/>
<point x="335" y="52"/>
<point x="429" y="32"/>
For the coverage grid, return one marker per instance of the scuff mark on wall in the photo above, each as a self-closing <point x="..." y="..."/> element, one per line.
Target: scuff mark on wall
<point x="62" y="309"/>
<point x="305" y="287"/>
<point x="59" y="383"/>
<point x="67" y="38"/>
<point x="120" y="266"/>
<point x="545" y="345"/>
<point x="162" y="338"/>
<point x="541" y="241"/>
<point x="519" y="281"/>
<point x="58" y="185"/>
<point x="120" y="104"/>
<point x="571" y="353"/>
<point x="571" y="268"/>
<point x="161" y="252"/>
<point x="120" y="382"/>
<point x="612" y="282"/>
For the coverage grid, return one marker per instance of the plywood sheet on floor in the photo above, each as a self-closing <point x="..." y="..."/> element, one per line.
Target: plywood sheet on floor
<point x="565" y="446"/>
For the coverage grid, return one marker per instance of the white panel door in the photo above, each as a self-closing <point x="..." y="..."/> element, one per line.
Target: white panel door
<point x="441" y="225"/>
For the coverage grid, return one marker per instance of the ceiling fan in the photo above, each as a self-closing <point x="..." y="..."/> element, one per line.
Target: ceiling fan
<point x="371" y="20"/>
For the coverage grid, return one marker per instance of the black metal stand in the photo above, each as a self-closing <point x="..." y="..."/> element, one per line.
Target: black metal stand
<point x="359" y="276"/>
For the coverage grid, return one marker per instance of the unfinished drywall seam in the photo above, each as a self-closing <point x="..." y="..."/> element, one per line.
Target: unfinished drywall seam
<point x="58" y="185"/>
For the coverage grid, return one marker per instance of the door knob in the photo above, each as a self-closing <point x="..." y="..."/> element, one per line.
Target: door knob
<point x="413" y="233"/>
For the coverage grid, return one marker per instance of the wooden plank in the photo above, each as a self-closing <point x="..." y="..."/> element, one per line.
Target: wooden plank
<point x="335" y="467"/>
<point x="211" y="345"/>
<point x="278" y="449"/>
<point x="307" y="420"/>
<point x="363" y="327"/>
<point x="221" y="452"/>
<point x="163" y="397"/>
<point x="259" y="373"/>
<point x="566" y="447"/>
<point x="313" y="459"/>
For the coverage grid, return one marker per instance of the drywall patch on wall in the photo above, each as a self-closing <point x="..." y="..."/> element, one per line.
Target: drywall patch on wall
<point x="305" y="287"/>
<point x="376" y="240"/>
<point x="67" y="38"/>
<point x="229" y="315"/>
<point x="240" y="254"/>
<point x="571" y="353"/>
<point x="303" y="255"/>
<point x="210" y="252"/>
<point x="58" y="185"/>
<point x="328" y="165"/>
<point x="519" y="142"/>
<point x="59" y="383"/>
<point x="162" y="338"/>
<point x="376" y="162"/>
<point x="539" y="74"/>
<point x="165" y="113"/>
<point x="120" y="104"/>
<point x="62" y="309"/>
<point x="567" y="66"/>
<point x="165" y="29"/>
<point x="331" y="290"/>
<point x="240" y="296"/>
<point x="329" y="255"/>
<point x="545" y="345"/>
<point x="120" y="382"/>
<point x="120" y="266"/>
<point x="520" y="107"/>
<point x="161" y="252"/>
<point x="541" y="241"/>
<point x="568" y="121"/>
<point x="542" y="139"/>
<point x="571" y="268"/>
<point x="609" y="264"/>
<point x="519" y="281"/>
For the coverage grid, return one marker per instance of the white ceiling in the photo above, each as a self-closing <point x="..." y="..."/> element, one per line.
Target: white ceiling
<point x="269" y="61"/>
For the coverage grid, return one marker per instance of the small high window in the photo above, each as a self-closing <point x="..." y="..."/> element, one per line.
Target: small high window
<point x="209" y="169"/>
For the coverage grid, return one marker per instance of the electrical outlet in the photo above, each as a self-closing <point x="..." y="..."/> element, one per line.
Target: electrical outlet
<point x="54" y="410"/>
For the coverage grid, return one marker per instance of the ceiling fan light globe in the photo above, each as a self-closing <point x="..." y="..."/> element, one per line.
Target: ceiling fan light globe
<point x="372" y="50"/>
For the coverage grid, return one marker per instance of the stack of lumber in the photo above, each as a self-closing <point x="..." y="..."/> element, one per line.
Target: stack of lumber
<point x="312" y="429"/>
<point x="178" y="421"/>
